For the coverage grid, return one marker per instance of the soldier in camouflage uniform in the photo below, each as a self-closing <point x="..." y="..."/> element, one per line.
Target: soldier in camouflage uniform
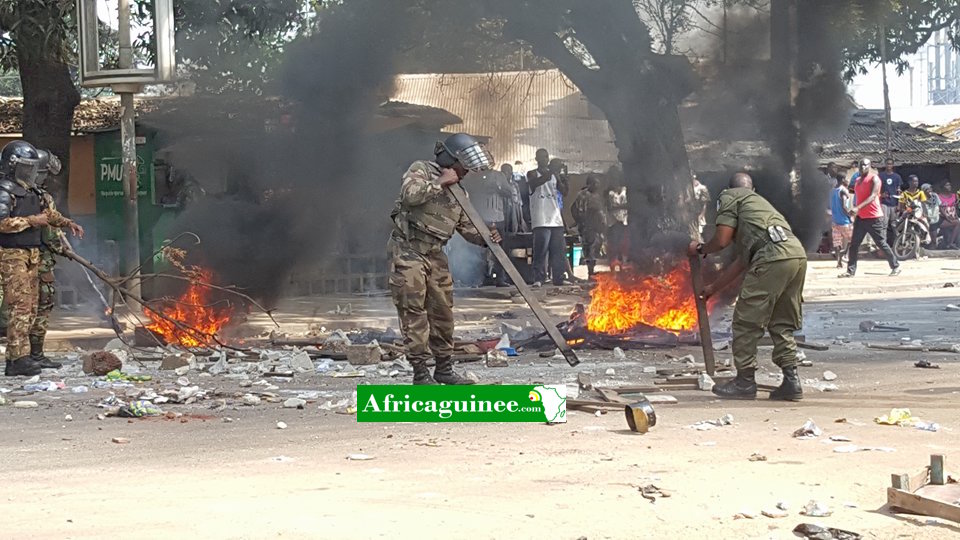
<point x="776" y="265"/>
<point x="425" y="217"/>
<point x="52" y="245"/>
<point x="24" y="213"/>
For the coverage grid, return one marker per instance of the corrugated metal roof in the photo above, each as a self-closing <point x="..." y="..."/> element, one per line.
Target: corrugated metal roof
<point x="866" y="137"/>
<point x="520" y="111"/>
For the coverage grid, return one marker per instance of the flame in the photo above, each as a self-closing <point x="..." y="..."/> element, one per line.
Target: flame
<point x="619" y="302"/>
<point x="193" y="310"/>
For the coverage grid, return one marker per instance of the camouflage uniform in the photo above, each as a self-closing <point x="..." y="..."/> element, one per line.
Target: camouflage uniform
<point x="20" y="268"/>
<point x="47" y="294"/>
<point x="425" y="218"/>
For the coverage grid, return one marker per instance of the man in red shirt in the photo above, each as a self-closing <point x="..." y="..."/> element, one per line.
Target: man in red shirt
<point x="869" y="220"/>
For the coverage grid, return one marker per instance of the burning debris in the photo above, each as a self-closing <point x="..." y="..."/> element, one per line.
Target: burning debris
<point x="194" y="310"/>
<point x="619" y="303"/>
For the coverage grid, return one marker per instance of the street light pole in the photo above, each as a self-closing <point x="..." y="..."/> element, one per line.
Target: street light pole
<point x="128" y="142"/>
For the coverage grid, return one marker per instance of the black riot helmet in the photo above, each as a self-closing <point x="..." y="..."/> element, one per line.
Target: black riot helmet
<point x="20" y="161"/>
<point x="49" y="166"/>
<point x="464" y="149"/>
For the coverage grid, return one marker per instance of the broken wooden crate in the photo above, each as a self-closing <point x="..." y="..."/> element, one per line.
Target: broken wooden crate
<point x="928" y="493"/>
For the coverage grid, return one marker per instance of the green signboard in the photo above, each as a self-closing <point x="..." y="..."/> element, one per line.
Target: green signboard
<point x="108" y="179"/>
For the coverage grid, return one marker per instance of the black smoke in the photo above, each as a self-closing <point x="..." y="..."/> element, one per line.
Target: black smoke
<point x="293" y="189"/>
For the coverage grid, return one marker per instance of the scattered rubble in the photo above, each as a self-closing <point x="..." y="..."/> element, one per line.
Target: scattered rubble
<point x="281" y="425"/>
<point x="816" y="509"/>
<point x="851" y="448"/>
<point x="926" y="364"/>
<point x="829" y="376"/>
<point x="101" y="363"/>
<point x="496" y="358"/>
<point x="619" y="355"/>
<point x="25" y="404"/>
<point x="705" y="425"/>
<point x="816" y="532"/>
<point x="774" y="513"/>
<point x="360" y="457"/>
<point x="705" y="382"/>
<point x="120" y="440"/>
<point x="756" y="456"/>
<point x="294" y="403"/>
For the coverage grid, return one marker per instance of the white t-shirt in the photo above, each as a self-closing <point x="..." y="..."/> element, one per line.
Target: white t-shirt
<point x="545" y="204"/>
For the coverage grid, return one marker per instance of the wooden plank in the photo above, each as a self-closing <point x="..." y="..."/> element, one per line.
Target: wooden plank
<point x="812" y="346"/>
<point x="936" y="470"/>
<point x="900" y="481"/>
<point x="579" y="403"/>
<point x="918" y="480"/>
<point x="903" y="500"/>
<point x="662" y="399"/>
<point x="461" y="196"/>
<point x="703" y="316"/>
<point x="612" y="396"/>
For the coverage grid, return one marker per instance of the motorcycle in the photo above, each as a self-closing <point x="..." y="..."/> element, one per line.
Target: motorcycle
<point x="912" y="231"/>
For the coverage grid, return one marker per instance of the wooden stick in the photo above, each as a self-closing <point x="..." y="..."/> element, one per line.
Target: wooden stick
<point x="461" y="196"/>
<point x="703" y="317"/>
<point x="913" y="348"/>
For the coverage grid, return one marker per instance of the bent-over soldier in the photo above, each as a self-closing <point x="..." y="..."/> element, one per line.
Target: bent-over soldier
<point x="425" y="217"/>
<point x="776" y="265"/>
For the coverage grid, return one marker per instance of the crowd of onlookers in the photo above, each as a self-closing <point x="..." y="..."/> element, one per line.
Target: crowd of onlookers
<point x="517" y="201"/>
<point x="937" y="204"/>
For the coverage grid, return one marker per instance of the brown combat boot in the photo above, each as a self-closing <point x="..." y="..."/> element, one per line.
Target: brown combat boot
<point x="445" y="374"/>
<point x="421" y="374"/>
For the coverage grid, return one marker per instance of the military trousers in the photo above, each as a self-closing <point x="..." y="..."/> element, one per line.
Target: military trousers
<point x="770" y="299"/>
<point x="46" y="297"/>
<point x="422" y="291"/>
<point x="20" y="269"/>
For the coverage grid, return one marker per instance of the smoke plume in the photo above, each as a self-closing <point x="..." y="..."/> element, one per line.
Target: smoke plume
<point x="293" y="191"/>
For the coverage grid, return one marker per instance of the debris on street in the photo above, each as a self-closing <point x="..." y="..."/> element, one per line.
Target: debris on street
<point x="809" y="430"/>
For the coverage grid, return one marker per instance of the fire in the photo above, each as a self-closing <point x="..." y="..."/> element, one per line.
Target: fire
<point x="194" y="310"/>
<point x="619" y="303"/>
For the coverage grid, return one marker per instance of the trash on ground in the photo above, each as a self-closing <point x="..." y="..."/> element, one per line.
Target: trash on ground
<point x="651" y="492"/>
<point x="610" y="372"/>
<point x="808" y="430"/>
<point x="816" y="509"/>
<point x="705" y="425"/>
<point x="756" y="456"/>
<point x="774" y="513"/>
<point x="120" y="440"/>
<point x="139" y="409"/>
<point x="25" y="404"/>
<point x="851" y="448"/>
<point x="816" y="532"/>
<point x="294" y="403"/>
<point x="705" y="382"/>
<point x="896" y="417"/>
<point x="829" y="376"/>
<point x="927" y="426"/>
<point x="281" y="425"/>
<point x="839" y="438"/>
<point x="619" y="354"/>
<point x="360" y="457"/>
<point x="926" y="365"/>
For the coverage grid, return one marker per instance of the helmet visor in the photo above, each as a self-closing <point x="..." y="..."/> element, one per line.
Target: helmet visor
<point x="26" y="170"/>
<point x="475" y="158"/>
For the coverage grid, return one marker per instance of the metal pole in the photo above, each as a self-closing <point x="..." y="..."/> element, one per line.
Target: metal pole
<point x="461" y="196"/>
<point x="886" y="88"/>
<point x="128" y="141"/>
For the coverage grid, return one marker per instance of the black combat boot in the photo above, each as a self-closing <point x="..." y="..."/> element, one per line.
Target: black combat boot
<point x="789" y="389"/>
<point x="22" y="367"/>
<point x="743" y="386"/>
<point x="36" y="352"/>
<point x="445" y="374"/>
<point x="421" y="374"/>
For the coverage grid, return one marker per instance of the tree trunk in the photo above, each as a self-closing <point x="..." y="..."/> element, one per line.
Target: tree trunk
<point x="49" y="99"/>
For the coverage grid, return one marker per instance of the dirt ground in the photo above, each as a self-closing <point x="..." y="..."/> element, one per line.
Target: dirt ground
<point x="205" y="477"/>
